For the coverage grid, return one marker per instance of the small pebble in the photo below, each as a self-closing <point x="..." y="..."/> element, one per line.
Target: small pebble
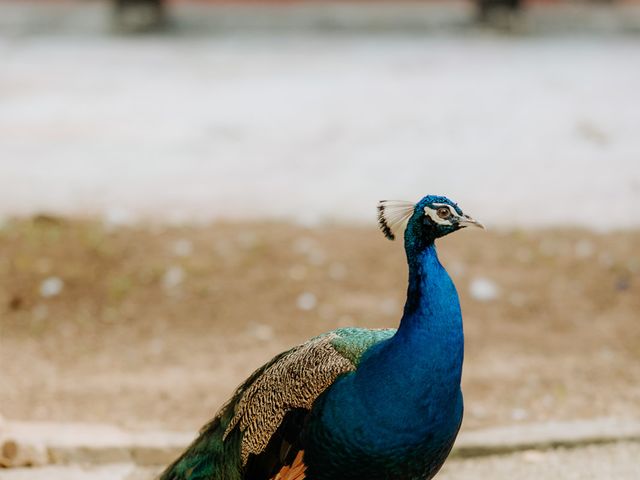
<point x="261" y="331"/>
<point x="622" y="284"/>
<point x="117" y="217"/>
<point x="172" y="278"/>
<point x="519" y="414"/>
<point x="51" y="287"/>
<point x="306" y="301"/>
<point x="183" y="247"/>
<point x="483" y="289"/>
<point x="584" y="249"/>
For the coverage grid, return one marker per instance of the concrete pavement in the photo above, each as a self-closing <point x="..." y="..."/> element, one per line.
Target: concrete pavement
<point x="602" y="449"/>
<point x="616" y="461"/>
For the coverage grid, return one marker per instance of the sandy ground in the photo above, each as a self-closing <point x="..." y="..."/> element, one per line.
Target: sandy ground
<point x="218" y="123"/>
<point x="154" y="326"/>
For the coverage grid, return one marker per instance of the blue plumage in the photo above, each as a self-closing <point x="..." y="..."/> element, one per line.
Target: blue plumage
<point x="381" y="404"/>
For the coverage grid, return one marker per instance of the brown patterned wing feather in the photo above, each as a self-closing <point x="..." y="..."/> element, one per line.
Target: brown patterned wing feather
<point x="293" y="382"/>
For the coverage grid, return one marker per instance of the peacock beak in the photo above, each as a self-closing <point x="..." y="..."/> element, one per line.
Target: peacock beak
<point x="467" y="221"/>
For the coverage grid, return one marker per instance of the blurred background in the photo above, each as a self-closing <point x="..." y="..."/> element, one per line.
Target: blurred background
<point x="188" y="188"/>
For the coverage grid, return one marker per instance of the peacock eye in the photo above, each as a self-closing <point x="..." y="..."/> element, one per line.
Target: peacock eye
<point x="443" y="212"/>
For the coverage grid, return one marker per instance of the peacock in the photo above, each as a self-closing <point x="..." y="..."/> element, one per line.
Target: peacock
<point x="354" y="403"/>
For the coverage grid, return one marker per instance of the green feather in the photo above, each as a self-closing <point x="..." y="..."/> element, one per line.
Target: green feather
<point x="351" y="343"/>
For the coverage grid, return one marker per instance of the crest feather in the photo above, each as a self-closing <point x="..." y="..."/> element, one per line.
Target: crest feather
<point x="393" y="216"/>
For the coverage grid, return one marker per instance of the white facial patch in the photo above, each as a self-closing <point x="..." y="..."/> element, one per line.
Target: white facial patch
<point x="432" y="213"/>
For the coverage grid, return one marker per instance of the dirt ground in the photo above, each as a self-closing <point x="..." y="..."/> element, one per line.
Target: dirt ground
<point x="153" y="326"/>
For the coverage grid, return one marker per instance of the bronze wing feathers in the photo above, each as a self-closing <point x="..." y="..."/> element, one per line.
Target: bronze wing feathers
<point x="294" y="381"/>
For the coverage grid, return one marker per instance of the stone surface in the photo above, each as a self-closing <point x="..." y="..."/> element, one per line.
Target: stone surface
<point x="616" y="461"/>
<point x="14" y="453"/>
<point x="545" y="435"/>
<point x="67" y="443"/>
<point x="57" y="472"/>
<point x="37" y="444"/>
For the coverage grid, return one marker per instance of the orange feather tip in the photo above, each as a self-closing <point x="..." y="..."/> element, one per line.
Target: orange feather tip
<point x="295" y="471"/>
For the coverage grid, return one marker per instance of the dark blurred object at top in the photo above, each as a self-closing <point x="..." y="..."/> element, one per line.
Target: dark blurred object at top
<point x="204" y="17"/>
<point x="151" y="15"/>
<point x="498" y="13"/>
<point x="139" y="15"/>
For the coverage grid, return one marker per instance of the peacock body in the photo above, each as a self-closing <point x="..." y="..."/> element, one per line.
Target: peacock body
<point x="353" y="403"/>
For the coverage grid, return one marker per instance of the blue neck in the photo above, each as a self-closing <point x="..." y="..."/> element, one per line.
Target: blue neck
<point x="403" y="403"/>
<point x="432" y="309"/>
<point x="422" y="363"/>
<point x="430" y="336"/>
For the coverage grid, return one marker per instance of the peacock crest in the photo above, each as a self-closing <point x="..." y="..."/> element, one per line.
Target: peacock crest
<point x="393" y="216"/>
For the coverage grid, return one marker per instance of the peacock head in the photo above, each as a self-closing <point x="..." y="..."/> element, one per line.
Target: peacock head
<point x="432" y="217"/>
